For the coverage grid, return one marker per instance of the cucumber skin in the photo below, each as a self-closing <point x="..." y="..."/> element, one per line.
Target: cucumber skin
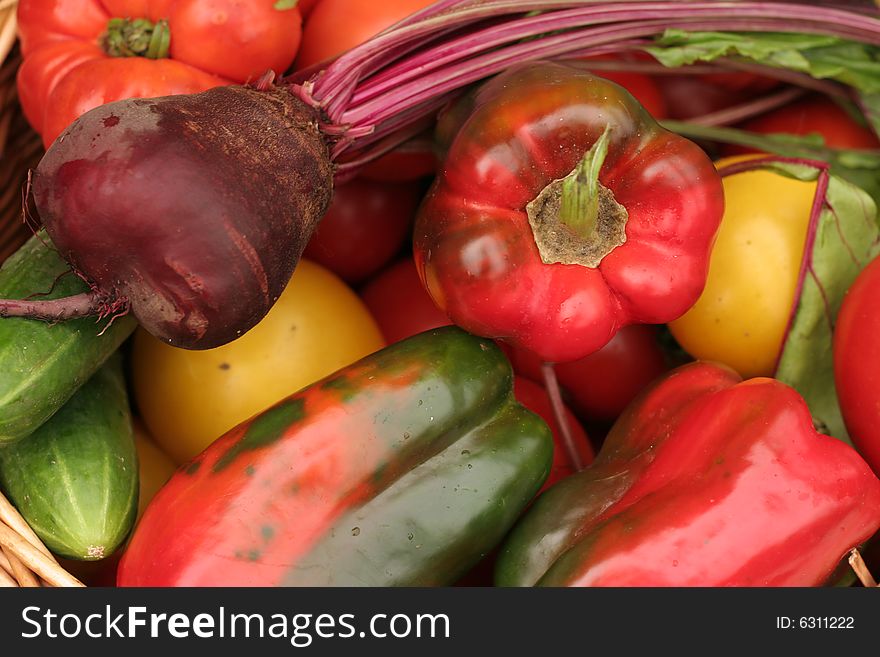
<point x="42" y="364"/>
<point x="75" y="479"/>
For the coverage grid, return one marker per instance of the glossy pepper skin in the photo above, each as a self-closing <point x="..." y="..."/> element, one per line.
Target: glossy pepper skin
<point x="402" y="469"/>
<point x="474" y="245"/>
<point x="706" y="480"/>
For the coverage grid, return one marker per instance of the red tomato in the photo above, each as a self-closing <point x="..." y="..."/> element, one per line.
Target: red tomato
<point x="364" y="228"/>
<point x="857" y="363"/>
<point x="741" y="81"/>
<point x="689" y="96"/>
<point x="411" y="160"/>
<point x="237" y="39"/>
<point x="68" y="69"/>
<point x="106" y="79"/>
<point x="535" y="398"/>
<point x="816" y="114"/>
<point x="338" y="25"/>
<point x="645" y="90"/>
<point x="400" y="304"/>
<point x="601" y="385"/>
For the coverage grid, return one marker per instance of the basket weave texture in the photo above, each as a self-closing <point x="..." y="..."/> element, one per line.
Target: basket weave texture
<point x="20" y="146"/>
<point x="24" y="560"/>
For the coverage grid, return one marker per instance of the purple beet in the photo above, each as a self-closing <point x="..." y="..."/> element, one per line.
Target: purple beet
<point x="192" y="209"/>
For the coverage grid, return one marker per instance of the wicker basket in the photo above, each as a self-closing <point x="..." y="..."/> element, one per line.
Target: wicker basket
<point x="20" y="147"/>
<point x="24" y="560"/>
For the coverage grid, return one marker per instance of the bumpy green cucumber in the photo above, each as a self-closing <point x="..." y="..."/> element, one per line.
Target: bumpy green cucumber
<point x="42" y="365"/>
<point x="75" y="479"/>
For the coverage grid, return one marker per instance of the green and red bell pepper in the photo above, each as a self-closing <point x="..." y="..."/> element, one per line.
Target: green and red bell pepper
<point x="404" y="468"/>
<point x="706" y="480"/>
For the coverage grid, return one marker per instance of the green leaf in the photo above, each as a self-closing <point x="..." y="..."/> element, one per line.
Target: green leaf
<point x="871" y="109"/>
<point x="846" y="238"/>
<point x="284" y="5"/>
<point x="824" y="57"/>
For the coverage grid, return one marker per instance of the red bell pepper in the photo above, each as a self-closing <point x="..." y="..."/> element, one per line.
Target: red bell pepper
<point x="563" y="212"/>
<point x="706" y="480"/>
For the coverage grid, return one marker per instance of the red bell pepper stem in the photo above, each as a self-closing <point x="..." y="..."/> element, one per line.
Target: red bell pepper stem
<point x="579" y="205"/>
<point x="551" y="384"/>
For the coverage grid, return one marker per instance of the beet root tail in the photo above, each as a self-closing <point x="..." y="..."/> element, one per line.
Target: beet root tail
<point x="87" y="304"/>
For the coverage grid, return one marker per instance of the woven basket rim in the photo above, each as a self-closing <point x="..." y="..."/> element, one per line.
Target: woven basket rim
<point x="24" y="560"/>
<point x="8" y="27"/>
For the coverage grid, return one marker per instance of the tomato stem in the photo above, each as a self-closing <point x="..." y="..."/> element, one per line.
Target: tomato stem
<point x="579" y="202"/>
<point x="136" y="37"/>
<point x="551" y="384"/>
<point x="160" y="41"/>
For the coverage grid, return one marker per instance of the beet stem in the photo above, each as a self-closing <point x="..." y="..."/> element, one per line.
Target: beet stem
<point x="551" y="385"/>
<point x="416" y="91"/>
<point x="414" y="67"/>
<point x="750" y="108"/>
<point x="86" y="304"/>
